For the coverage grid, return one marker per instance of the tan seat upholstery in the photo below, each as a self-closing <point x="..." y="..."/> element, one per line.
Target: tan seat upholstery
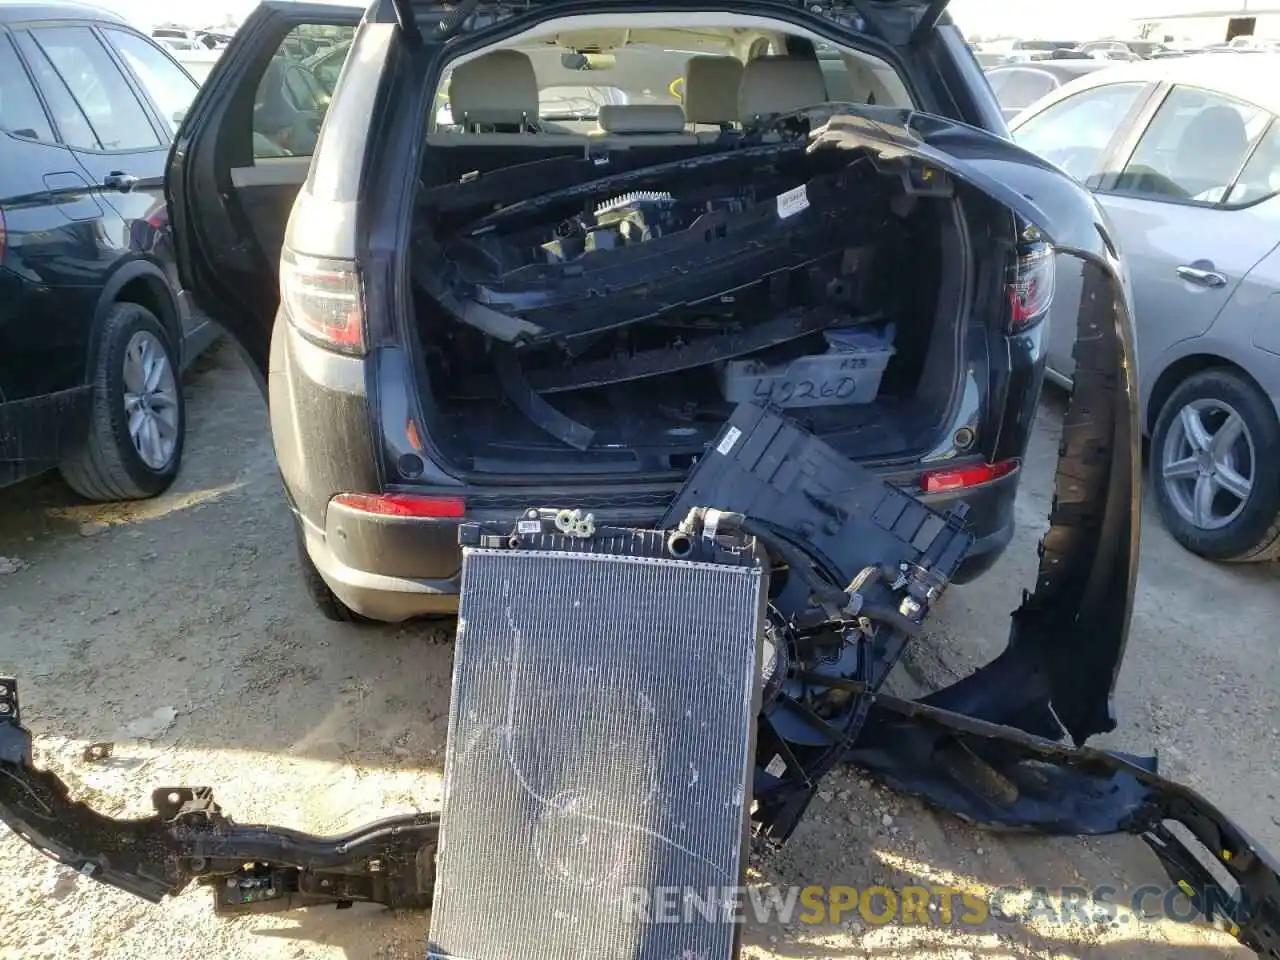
<point x="772" y="85"/>
<point x="643" y="124"/>
<point x="864" y="86"/>
<point x="711" y="93"/>
<point x="498" y="89"/>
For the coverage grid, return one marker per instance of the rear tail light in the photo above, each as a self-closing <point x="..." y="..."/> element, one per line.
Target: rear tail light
<point x="1" y="235"/>
<point x="322" y="299"/>
<point x="1029" y="286"/>
<point x="961" y="478"/>
<point x="404" y="505"/>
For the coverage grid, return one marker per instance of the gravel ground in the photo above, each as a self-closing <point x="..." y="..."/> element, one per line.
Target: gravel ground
<point x="177" y="628"/>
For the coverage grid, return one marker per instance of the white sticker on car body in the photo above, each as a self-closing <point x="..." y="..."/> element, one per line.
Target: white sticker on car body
<point x="730" y="438"/>
<point x="793" y="201"/>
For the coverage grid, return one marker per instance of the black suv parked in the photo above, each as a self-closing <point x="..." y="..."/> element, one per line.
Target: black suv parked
<point x="527" y="265"/>
<point x="93" y="329"/>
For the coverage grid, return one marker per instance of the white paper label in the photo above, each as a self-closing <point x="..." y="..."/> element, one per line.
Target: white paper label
<point x="730" y="438"/>
<point x="777" y="766"/>
<point x="792" y="202"/>
<point x="529" y="526"/>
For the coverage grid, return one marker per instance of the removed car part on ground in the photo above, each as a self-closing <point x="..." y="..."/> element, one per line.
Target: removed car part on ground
<point x="604" y="764"/>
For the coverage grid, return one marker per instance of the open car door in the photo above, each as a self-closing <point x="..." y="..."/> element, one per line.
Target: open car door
<point x="241" y="156"/>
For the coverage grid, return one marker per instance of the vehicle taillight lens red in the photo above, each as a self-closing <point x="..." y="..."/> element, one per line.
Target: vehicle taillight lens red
<point x="322" y="299"/>
<point x="959" y="478"/>
<point x="1029" y="286"/>
<point x="404" y="505"/>
<point x="1" y="235"/>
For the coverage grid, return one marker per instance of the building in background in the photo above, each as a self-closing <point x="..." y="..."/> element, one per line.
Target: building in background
<point x="1194" y="22"/>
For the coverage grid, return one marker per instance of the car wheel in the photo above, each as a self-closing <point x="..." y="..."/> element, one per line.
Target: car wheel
<point x="1215" y="467"/>
<point x="137" y="422"/>
<point x="330" y="607"/>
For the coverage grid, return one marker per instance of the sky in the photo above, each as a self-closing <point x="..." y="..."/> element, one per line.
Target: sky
<point x="1014" y="17"/>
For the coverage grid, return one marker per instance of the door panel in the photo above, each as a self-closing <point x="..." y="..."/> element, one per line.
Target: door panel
<point x="108" y="129"/>
<point x="240" y="158"/>
<point x="50" y="243"/>
<point x="1186" y="211"/>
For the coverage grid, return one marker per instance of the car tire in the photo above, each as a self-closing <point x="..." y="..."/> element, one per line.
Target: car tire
<point x="1214" y="467"/>
<point x="137" y="420"/>
<point x="324" y="599"/>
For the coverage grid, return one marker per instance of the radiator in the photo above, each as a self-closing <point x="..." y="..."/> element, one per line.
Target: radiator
<point x="600" y="749"/>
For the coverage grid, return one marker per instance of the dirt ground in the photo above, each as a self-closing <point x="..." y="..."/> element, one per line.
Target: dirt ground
<point x="177" y="628"/>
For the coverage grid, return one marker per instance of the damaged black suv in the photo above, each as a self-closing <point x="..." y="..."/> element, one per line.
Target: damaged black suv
<point x="539" y="252"/>
<point x="709" y="339"/>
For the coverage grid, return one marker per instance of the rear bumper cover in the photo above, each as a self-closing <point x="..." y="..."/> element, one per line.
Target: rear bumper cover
<point x="397" y="568"/>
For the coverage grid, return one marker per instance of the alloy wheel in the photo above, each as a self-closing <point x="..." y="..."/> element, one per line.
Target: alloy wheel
<point x="150" y="399"/>
<point x="1207" y="463"/>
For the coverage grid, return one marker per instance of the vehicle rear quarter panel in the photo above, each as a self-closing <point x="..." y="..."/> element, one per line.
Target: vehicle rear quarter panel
<point x="1245" y="332"/>
<point x="320" y="423"/>
<point x="1259" y="296"/>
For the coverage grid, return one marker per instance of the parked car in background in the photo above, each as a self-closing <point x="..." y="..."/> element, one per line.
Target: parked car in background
<point x="94" y="328"/>
<point x="996" y="52"/>
<point x="1184" y="156"/>
<point x="1108" y="50"/>
<point x="1018" y="85"/>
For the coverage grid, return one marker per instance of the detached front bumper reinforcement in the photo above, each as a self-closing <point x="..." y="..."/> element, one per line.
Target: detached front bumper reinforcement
<point x="253" y="868"/>
<point x="250" y="868"/>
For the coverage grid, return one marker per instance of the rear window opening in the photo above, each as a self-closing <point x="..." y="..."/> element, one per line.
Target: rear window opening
<point x="621" y="233"/>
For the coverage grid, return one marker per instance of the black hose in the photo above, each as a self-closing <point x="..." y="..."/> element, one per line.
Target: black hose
<point x="802" y="564"/>
<point x="891" y="618"/>
<point x="798" y="561"/>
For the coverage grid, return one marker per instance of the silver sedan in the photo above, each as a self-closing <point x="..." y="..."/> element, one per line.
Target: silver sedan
<point x="1184" y="157"/>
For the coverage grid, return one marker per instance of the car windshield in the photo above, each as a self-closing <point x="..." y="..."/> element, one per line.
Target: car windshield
<point x="574" y="86"/>
<point x="577" y="103"/>
<point x="327" y="64"/>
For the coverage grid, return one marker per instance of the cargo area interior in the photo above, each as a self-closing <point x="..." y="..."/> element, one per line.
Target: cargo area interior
<point x="621" y="233"/>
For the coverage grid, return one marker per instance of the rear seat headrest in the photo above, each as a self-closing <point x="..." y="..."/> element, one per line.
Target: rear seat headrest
<point x="497" y="88"/>
<point x="711" y="89"/>
<point x="779" y="85"/>
<point x="641" y="118"/>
